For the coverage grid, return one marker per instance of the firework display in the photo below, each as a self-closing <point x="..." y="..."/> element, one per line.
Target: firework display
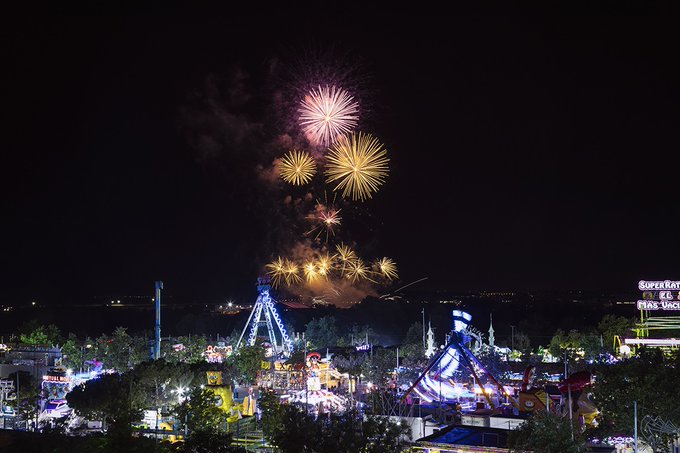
<point x="357" y="163"/>
<point x="297" y="167"/>
<point x="354" y="165"/>
<point x="325" y="219"/>
<point x="277" y="271"/>
<point x="290" y="270"/>
<point x="327" y="113"/>
<point x="387" y="268"/>
<point x="344" y="264"/>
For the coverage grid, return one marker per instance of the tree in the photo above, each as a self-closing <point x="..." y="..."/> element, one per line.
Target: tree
<point x="522" y="342"/>
<point x="119" y="351"/>
<point x="379" y="366"/>
<point x="34" y="334"/>
<point x="611" y="326"/>
<point x="648" y="379"/>
<point x="384" y="436"/>
<point x="248" y="361"/>
<point x="112" y="398"/>
<point x="72" y="354"/>
<point x="270" y="406"/>
<point x="546" y="432"/>
<point x="411" y="351"/>
<point x="26" y="387"/>
<point x="160" y="382"/>
<point x="577" y="345"/>
<point x="192" y="349"/>
<point x="203" y="442"/>
<point x="297" y="432"/>
<point x="322" y="333"/>
<point x="202" y="416"/>
<point x="286" y="426"/>
<point x="414" y="334"/>
<point x="291" y="429"/>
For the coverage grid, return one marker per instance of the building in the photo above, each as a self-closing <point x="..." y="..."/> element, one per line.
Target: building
<point x="36" y="360"/>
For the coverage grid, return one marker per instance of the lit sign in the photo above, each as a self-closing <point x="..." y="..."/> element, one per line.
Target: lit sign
<point x="619" y="440"/>
<point x="56" y="379"/>
<point x="658" y="305"/>
<point x="662" y="284"/>
<point x="363" y="347"/>
<point x="653" y="341"/>
<point x="216" y="354"/>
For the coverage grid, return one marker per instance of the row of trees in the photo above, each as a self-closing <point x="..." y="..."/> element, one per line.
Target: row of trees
<point x="121" y="351"/>
<point x="119" y="398"/>
<point x="293" y="430"/>
<point x="647" y="378"/>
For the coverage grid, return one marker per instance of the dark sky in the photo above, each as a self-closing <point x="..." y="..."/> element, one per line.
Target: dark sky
<point x="527" y="152"/>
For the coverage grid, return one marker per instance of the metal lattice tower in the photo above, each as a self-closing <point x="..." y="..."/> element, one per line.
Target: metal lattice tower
<point x="278" y="337"/>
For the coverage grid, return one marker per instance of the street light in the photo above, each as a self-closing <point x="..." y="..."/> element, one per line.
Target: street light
<point x="180" y="393"/>
<point x="512" y="337"/>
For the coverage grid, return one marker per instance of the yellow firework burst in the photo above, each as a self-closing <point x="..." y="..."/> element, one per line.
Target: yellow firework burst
<point x="297" y="167"/>
<point x="311" y="271"/>
<point x="324" y="265"/>
<point x="291" y="273"/>
<point x="345" y="253"/>
<point x="387" y="268"/>
<point x="357" y="270"/>
<point x="346" y="256"/>
<point x="357" y="163"/>
<point x="277" y="271"/>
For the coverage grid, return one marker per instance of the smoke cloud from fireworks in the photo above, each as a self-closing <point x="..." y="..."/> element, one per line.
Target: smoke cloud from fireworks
<point x="299" y="233"/>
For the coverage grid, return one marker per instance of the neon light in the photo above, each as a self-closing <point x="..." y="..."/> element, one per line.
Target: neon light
<point x="653" y="341"/>
<point x="658" y="284"/>
<point x="658" y="305"/>
<point x="49" y="378"/>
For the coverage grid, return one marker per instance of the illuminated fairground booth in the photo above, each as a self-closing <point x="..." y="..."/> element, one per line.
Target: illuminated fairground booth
<point x="312" y="383"/>
<point x="659" y="310"/>
<point x="55" y="385"/>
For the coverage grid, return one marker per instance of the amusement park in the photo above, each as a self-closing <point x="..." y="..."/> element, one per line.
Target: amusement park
<point x="352" y="234"/>
<point x="457" y="392"/>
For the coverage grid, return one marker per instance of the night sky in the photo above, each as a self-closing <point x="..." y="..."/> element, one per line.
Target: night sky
<point x="532" y="152"/>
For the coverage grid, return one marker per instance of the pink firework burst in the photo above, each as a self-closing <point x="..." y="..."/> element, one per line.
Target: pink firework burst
<point x="327" y="113"/>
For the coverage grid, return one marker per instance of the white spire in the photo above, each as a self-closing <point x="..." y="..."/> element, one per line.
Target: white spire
<point x="429" y="352"/>
<point x="491" y="337"/>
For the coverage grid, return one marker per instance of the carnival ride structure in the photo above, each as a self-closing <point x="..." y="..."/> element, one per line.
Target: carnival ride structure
<point x="281" y="343"/>
<point x="571" y="397"/>
<point x="437" y="382"/>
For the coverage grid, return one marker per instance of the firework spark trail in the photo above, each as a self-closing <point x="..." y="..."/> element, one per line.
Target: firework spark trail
<point x="358" y="163"/>
<point x="311" y="271"/>
<point x="297" y="167"/>
<point x="387" y="268"/>
<point x="357" y="270"/>
<point x="276" y="271"/>
<point x="326" y="219"/>
<point x="291" y="273"/>
<point x="327" y="113"/>
<point x="346" y="256"/>
<point x="324" y="265"/>
<point x="393" y="293"/>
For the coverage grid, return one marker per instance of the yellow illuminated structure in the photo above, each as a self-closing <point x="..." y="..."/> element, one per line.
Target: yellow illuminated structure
<point x="224" y="398"/>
